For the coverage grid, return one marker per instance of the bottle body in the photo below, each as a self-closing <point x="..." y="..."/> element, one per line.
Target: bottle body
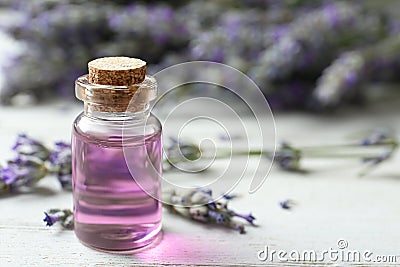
<point x="114" y="209"/>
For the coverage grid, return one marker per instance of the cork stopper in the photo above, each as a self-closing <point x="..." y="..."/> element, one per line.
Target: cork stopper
<point x="123" y="71"/>
<point x="116" y="84"/>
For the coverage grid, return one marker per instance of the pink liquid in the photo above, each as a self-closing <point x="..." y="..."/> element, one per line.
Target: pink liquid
<point x="112" y="212"/>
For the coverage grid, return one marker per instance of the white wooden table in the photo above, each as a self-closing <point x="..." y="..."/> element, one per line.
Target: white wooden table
<point x="332" y="202"/>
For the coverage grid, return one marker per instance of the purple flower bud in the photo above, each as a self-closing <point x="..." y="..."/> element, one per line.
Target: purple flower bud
<point x="331" y="14"/>
<point x="377" y="159"/>
<point x="31" y="147"/>
<point x="22" y="171"/>
<point x="219" y="218"/>
<point x="230" y="196"/>
<point x="341" y="78"/>
<point x="250" y="218"/>
<point x="215" y="212"/>
<point x="64" y="217"/>
<point x="377" y="137"/>
<point x="61" y="153"/>
<point x="50" y="219"/>
<point x="286" y="204"/>
<point x="12" y="173"/>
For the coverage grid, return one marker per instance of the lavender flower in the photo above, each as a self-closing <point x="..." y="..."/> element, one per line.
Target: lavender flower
<point x="283" y="45"/>
<point x="12" y="173"/>
<point x="311" y="41"/>
<point x="199" y="206"/>
<point x="380" y="136"/>
<point x="230" y="196"/>
<point x="61" y="162"/>
<point x="286" y="204"/>
<point x="50" y="219"/>
<point x="288" y="157"/>
<point x="250" y="218"/>
<point x="64" y="217"/>
<point x="218" y="217"/>
<point x="343" y="79"/>
<point x="377" y="159"/>
<point x="293" y="94"/>
<point x="23" y="171"/>
<point x="34" y="161"/>
<point x="247" y="29"/>
<point x="178" y="153"/>
<point x="28" y="146"/>
<point x="64" y="31"/>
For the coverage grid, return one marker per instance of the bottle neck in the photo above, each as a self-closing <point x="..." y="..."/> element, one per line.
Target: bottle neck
<point x="116" y="103"/>
<point x="131" y="113"/>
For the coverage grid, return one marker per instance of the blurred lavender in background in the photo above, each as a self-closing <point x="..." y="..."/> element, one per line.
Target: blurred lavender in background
<point x="306" y="54"/>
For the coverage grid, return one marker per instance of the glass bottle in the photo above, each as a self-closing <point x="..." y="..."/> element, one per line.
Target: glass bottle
<point x="117" y="165"/>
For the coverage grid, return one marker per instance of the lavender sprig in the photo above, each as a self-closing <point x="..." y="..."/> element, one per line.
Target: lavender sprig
<point x="382" y="139"/>
<point x="198" y="205"/>
<point x="24" y="171"/>
<point x="289" y="157"/>
<point x="346" y="75"/>
<point x="379" y="137"/>
<point x="30" y="147"/>
<point x="178" y="153"/>
<point x="340" y="79"/>
<point x="64" y="217"/>
<point x="312" y="40"/>
<point x="33" y="162"/>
